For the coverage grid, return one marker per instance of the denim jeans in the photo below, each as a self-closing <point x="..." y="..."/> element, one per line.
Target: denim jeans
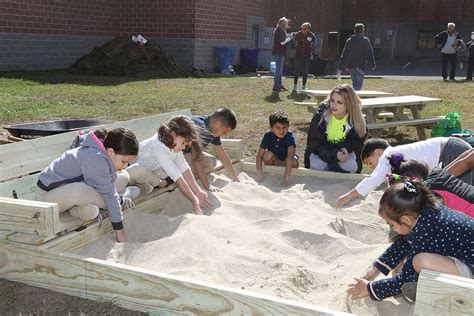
<point x="357" y="76"/>
<point x="278" y="72"/>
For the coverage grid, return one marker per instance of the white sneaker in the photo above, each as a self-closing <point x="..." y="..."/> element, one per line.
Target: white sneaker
<point x="303" y="88"/>
<point x="131" y="192"/>
<point x="145" y="188"/>
<point x="86" y="212"/>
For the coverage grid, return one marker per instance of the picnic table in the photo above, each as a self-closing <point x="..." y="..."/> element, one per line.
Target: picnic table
<point x="391" y="111"/>
<point x="320" y="95"/>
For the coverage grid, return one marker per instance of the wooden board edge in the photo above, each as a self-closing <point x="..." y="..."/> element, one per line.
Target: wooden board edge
<point x="302" y="172"/>
<point x="137" y="288"/>
<point x="444" y="294"/>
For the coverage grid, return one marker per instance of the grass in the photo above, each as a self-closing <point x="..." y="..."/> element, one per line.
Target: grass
<point x="46" y="95"/>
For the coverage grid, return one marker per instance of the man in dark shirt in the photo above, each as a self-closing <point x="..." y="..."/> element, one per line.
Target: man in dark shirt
<point x="355" y="54"/>
<point x="304" y="41"/>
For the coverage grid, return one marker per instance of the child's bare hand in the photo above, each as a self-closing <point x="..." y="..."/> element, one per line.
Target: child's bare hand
<point x="212" y="188"/>
<point x="342" y="154"/>
<point x="285" y="182"/>
<point x="236" y="179"/>
<point x="371" y="274"/>
<point x="342" y="200"/>
<point x="197" y="208"/>
<point x="259" y="177"/>
<point x="203" y="198"/>
<point x="359" y="289"/>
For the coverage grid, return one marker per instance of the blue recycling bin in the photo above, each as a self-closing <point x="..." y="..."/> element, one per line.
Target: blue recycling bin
<point x="225" y="56"/>
<point x="248" y="58"/>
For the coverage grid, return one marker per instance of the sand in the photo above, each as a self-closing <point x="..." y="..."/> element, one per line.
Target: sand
<point x="289" y="243"/>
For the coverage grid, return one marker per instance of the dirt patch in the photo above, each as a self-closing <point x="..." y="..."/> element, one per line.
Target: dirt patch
<point x="123" y="57"/>
<point x="20" y="299"/>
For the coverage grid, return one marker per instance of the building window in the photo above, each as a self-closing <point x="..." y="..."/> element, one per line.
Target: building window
<point x="426" y="40"/>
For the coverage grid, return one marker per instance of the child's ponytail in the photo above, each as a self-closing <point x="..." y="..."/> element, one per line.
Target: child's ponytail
<point x="408" y="168"/>
<point x="406" y="197"/>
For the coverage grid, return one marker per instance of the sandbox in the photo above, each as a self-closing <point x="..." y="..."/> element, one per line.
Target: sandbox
<point x="260" y="250"/>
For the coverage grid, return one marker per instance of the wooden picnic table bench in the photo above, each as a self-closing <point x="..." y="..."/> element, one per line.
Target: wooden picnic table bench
<point x="320" y="95"/>
<point x="377" y="108"/>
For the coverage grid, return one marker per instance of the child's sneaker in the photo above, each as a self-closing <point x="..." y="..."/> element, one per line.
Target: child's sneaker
<point x="131" y="192"/>
<point x="145" y="188"/>
<point x="86" y="212"/>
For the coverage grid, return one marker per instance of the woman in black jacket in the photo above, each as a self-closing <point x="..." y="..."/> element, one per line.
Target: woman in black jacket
<point x="337" y="133"/>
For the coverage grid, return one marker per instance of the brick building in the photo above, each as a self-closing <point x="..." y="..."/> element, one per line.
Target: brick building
<point x="41" y="34"/>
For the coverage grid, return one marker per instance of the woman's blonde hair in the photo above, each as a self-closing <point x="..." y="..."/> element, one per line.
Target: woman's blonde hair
<point x="353" y="106"/>
<point x="283" y="23"/>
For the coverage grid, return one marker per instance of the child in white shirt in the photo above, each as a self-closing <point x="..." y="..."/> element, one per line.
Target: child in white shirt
<point x="431" y="151"/>
<point x="162" y="156"/>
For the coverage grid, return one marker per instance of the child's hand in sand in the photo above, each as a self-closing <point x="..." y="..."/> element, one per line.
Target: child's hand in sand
<point x="212" y="188"/>
<point x="371" y="274"/>
<point x="203" y="198"/>
<point x="120" y="236"/>
<point x="197" y="208"/>
<point x="236" y="179"/>
<point x="359" y="289"/>
<point x="259" y="177"/>
<point x="285" y="182"/>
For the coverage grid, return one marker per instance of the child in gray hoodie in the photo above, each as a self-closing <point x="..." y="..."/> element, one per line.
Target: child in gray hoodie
<point x="82" y="180"/>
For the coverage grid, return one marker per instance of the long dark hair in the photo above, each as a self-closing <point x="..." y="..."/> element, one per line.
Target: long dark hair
<point x="407" y="197"/>
<point x="407" y="167"/>
<point x="181" y="126"/>
<point x="123" y="141"/>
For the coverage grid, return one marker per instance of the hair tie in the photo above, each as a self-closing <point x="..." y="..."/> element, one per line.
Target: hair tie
<point x="396" y="159"/>
<point x="392" y="177"/>
<point x="410" y="187"/>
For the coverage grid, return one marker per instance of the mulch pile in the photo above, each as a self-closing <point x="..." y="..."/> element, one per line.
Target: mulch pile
<point x="123" y="57"/>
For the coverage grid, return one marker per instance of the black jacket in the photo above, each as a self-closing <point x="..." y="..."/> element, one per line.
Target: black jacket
<point x="440" y="179"/>
<point x="318" y="144"/>
<point x="442" y="37"/>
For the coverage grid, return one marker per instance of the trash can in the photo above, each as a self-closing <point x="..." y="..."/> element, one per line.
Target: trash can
<point x="248" y="58"/>
<point x="225" y="56"/>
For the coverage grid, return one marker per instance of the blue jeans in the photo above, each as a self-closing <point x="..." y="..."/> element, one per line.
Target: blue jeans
<point x="278" y="72"/>
<point x="357" y="76"/>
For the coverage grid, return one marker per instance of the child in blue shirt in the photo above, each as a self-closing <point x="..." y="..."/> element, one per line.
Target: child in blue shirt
<point x="277" y="147"/>
<point x="433" y="237"/>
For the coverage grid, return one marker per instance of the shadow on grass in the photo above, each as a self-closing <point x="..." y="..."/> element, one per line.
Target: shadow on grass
<point x="298" y="97"/>
<point x="273" y="98"/>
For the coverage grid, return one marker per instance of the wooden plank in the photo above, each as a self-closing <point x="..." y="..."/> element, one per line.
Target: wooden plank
<point x="23" y="158"/>
<point x="400" y="101"/>
<point x="24" y="187"/>
<point x="301" y="172"/>
<point x="444" y="294"/>
<point x="360" y="93"/>
<point x="139" y="289"/>
<point x="233" y="148"/>
<point x="32" y="217"/>
<point x="423" y="121"/>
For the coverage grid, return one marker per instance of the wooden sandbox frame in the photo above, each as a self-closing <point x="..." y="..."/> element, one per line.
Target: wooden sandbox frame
<point x="37" y="245"/>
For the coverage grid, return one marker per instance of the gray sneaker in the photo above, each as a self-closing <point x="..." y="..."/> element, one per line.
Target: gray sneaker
<point x="409" y="291"/>
<point x="132" y="192"/>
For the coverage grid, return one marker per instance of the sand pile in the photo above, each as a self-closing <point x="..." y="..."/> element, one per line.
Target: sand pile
<point x="123" y="57"/>
<point x="288" y="243"/>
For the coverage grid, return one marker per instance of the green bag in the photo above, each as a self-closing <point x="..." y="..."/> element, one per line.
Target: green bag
<point x="451" y="124"/>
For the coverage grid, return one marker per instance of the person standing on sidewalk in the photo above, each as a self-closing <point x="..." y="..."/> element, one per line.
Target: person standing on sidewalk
<point x="357" y="51"/>
<point x="449" y="40"/>
<point x="305" y="41"/>
<point x="280" y="44"/>
<point x="470" y="61"/>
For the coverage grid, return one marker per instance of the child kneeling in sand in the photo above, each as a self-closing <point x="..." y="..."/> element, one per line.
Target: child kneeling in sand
<point x="412" y="211"/>
<point x="277" y="147"/>
<point x="83" y="179"/>
<point x="211" y="128"/>
<point x="161" y="156"/>
<point x="432" y="151"/>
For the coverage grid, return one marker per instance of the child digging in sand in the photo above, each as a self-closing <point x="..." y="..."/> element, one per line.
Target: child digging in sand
<point x="434" y="237"/>
<point x="161" y="156"/>
<point x="432" y="151"/>
<point x="277" y="147"/>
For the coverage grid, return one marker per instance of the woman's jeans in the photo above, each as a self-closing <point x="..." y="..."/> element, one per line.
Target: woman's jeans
<point x="279" y="60"/>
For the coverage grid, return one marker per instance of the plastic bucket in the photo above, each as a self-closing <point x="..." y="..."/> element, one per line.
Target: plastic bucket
<point x="225" y="56"/>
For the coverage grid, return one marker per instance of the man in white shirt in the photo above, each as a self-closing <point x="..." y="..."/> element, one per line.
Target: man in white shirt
<point x="450" y="40"/>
